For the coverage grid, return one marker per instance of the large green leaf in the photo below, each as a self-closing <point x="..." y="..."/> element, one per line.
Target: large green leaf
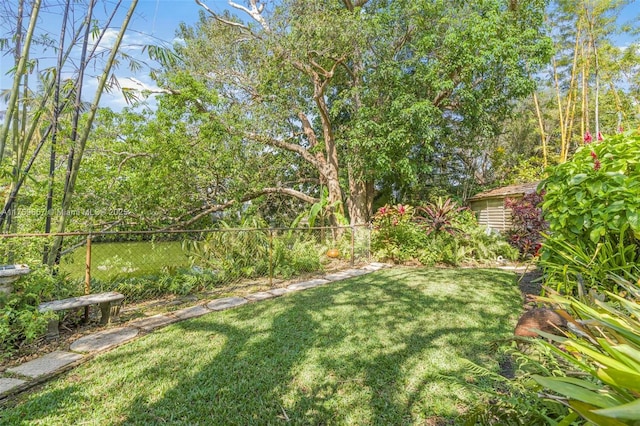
<point x="629" y="411"/>
<point x="621" y="379"/>
<point x="587" y="412"/>
<point x="573" y="391"/>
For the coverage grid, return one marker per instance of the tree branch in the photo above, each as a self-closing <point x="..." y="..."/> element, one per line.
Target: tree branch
<point x="304" y="153"/>
<point x="251" y="196"/>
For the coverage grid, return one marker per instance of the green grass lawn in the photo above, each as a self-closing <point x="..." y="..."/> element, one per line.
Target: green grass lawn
<point x="111" y="260"/>
<point x="369" y="350"/>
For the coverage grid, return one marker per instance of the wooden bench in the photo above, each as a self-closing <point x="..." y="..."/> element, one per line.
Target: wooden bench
<point x="104" y="300"/>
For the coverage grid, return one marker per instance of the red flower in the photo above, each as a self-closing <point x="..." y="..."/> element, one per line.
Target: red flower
<point x="382" y="210"/>
<point x="620" y="129"/>
<point x="587" y="137"/>
<point x="401" y="209"/>
<point x="600" y="136"/>
<point x="594" y="155"/>
<point x="596" y="165"/>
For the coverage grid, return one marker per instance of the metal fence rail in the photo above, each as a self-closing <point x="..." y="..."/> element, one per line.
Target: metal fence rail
<point x="100" y="261"/>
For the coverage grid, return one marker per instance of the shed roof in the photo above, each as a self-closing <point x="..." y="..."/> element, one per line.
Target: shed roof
<point x="518" y="189"/>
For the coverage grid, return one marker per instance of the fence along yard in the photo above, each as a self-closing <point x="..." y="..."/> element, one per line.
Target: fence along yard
<point x="222" y="256"/>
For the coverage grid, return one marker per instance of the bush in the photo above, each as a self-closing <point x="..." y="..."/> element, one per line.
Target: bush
<point x="593" y="203"/>
<point x="20" y="321"/>
<point x="528" y="224"/>
<point x="440" y="233"/>
<point x="395" y="235"/>
<point x="602" y="353"/>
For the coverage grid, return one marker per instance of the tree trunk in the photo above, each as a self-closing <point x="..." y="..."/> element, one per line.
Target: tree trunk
<point x="360" y="200"/>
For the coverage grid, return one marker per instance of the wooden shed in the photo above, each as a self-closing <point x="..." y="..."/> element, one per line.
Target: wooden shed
<point x="489" y="205"/>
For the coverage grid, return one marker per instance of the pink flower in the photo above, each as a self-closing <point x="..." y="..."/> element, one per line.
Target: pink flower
<point x="587" y="137"/>
<point x="600" y="136"/>
<point x="382" y="210"/>
<point x="594" y="155"/>
<point x="401" y="209"/>
<point x="620" y="129"/>
<point x="395" y="221"/>
<point x="596" y="165"/>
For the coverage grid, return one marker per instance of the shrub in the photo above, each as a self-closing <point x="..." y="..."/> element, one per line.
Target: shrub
<point x="593" y="202"/>
<point x="528" y="223"/>
<point x="441" y="216"/>
<point x="20" y="321"/>
<point x="602" y="355"/>
<point x="395" y="235"/>
<point x="442" y="233"/>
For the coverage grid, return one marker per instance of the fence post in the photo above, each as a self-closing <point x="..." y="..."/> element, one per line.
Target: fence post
<point x="353" y="245"/>
<point x="270" y="257"/>
<point x="87" y="271"/>
<point x="87" y="276"/>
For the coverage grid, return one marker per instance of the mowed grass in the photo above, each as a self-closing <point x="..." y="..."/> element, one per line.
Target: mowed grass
<point x="112" y="260"/>
<point x="369" y="350"/>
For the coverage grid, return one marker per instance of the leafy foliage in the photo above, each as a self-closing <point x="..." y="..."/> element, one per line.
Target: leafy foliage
<point x="451" y="236"/>
<point x="592" y="204"/>
<point x="527" y="223"/>
<point x="20" y="321"/>
<point x="439" y="216"/>
<point x="513" y="400"/>
<point x="253" y="251"/>
<point x="602" y="354"/>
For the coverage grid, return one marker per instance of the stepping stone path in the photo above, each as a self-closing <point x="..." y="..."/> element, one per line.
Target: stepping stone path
<point x="103" y="340"/>
<point x="307" y="284"/>
<point x="45" y="365"/>
<point x="33" y="372"/>
<point x="151" y="323"/>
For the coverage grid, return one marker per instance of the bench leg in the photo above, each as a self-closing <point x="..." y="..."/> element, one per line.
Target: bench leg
<point x="105" y="310"/>
<point x="52" y="329"/>
<point x="115" y="310"/>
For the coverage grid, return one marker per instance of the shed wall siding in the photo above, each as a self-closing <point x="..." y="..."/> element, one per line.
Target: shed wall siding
<point x="492" y="213"/>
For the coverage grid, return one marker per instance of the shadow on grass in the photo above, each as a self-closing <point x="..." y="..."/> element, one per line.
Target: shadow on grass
<point x="370" y="350"/>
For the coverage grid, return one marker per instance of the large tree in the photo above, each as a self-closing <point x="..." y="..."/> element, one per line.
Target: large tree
<point x="362" y="93"/>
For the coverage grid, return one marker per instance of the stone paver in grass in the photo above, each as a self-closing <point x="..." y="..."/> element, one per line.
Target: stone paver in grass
<point x="46" y="364"/>
<point x="262" y="295"/>
<point x="355" y="272"/>
<point x="279" y="291"/>
<point x="105" y="339"/>
<point x="307" y="284"/>
<point x="337" y="276"/>
<point x="375" y="266"/>
<point x="192" y="312"/>
<point x="153" y="322"/>
<point x="8" y="384"/>
<point x="226" y="303"/>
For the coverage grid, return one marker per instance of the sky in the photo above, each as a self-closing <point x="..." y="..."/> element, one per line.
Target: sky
<point x="155" y="22"/>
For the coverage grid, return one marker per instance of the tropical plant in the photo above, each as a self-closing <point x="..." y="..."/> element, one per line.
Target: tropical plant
<point x="593" y="203"/>
<point x="527" y="223"/>
<point x="567" y="265"/>
<point x="440" y="216"/>
<point x="395" y="235"/>
<point x="602" y="354"/>
<point x="20" y="321"/>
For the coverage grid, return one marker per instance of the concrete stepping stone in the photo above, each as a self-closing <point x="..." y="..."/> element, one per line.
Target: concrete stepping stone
<point x="153" y="322"/>
<point x="192" y="312"/>
<point x="46" y="364"/>
<point x="262" y="295"/>
<point x="8" y="384"/>
<point x="105" y="339"/>
<point x="279" y="291"/>
<point x="337" y="276"/>
<point x="226" y="303"/>
<point x="356" y="272"/>
<point x="375" y="266"/>
<point x="307" y="284"/>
